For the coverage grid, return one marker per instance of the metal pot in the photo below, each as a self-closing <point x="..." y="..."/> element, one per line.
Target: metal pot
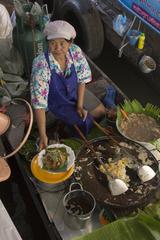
<point x="79" y="205"/>
<point x="147" y="64"/>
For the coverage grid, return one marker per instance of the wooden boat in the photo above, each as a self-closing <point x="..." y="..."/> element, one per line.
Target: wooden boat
<point x="99" y="75"/>
<point x="53" y="215"/>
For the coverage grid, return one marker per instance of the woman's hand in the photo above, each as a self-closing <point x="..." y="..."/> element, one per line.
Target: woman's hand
<point x="40" y="115"/>
<point x="82" y="113"/>
<point x="43" y="142"/>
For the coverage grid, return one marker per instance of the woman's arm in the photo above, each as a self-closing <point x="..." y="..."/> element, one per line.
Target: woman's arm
<point x="41" y="123"/>
<point x="39" y="95"/>
<point x="81" y="111"/>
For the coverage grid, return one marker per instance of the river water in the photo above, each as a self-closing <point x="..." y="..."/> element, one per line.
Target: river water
<point x="128" y="78"/>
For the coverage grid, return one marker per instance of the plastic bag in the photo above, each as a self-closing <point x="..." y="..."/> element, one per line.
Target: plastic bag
<point x="120" y="24"/>
<point x="15" y="85"/>
<point x="10" y="59"/>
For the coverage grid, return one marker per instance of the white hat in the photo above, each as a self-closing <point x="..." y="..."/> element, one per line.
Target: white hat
<point x="59" y="29"/>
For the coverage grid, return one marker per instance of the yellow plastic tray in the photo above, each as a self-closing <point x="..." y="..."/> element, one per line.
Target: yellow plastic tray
<point x="46" y="176"/>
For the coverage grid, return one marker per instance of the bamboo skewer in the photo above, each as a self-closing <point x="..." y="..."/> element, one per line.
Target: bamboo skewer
<point x="92" y="149"/>
<point x="125" y="115"/>
<point x="104" y="130"/>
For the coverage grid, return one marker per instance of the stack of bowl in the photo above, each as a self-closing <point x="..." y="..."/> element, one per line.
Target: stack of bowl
<point x="52" y="180"/>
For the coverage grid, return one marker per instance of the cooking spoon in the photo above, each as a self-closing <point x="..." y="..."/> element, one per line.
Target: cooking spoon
<point x="145" y="173"/>
<point x="116" y="186"/>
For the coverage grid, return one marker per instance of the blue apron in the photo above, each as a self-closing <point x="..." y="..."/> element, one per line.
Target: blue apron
<point x="62" y="99"/>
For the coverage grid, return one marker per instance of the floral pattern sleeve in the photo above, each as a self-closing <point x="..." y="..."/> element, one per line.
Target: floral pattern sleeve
<point x="81" y="65"/>
<point x="40" y="78"/>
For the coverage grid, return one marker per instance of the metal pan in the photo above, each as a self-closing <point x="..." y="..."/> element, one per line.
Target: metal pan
<point x="138" y="195"/>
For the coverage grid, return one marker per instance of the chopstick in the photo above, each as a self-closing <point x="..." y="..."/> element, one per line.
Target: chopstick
<point x="125" y="115"/>
<point x="92" y="149"/>
<point x="104" y="130"/>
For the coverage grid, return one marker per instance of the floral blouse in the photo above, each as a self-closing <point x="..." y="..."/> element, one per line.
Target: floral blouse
<point x="40" y="77"/>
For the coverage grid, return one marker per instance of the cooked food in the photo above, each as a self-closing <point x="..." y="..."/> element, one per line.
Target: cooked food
<point x="140" y="127"/>
<point x="54" y="158"/>
<point x="149" y="63"/>
<point x="117" y="169"/>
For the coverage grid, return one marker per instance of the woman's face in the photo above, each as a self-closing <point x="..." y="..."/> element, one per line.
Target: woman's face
<point x="59" y="46"/>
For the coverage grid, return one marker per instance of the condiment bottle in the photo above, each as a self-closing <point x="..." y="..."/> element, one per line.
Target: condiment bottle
<point x="141" y="41"/>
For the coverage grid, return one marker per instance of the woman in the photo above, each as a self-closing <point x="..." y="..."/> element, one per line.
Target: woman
<point x="58" y="82"/>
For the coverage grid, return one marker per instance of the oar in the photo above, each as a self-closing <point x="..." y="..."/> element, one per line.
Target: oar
<point x="116" y="186"/>
<point x="145" y="172"/>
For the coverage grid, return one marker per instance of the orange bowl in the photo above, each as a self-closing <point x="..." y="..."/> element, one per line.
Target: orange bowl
<point x="46" y="176"/>
<point x="4" y="123"/>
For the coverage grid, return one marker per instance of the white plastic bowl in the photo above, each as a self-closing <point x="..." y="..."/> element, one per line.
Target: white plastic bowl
<point x="71" y="156"/>
<point x="146" y="173"/>
<point x="117" y="187"/>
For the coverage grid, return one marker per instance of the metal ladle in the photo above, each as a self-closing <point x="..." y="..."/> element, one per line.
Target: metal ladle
<point x="116" y="186"/>
<point x="145" y="173"/>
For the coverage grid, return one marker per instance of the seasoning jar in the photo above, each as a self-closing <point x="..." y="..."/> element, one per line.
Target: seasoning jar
<point x="141" y="41"/>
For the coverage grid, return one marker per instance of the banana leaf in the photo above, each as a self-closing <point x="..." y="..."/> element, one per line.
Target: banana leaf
<point x="135" y="106"/>
<point x="142" y="226"/>
<point x="152" y="111"/>
<point x="156" y="143"/>
<point x="153" y="210"/>
<point x="127" y="106"/>
<point x="74" y="143"/>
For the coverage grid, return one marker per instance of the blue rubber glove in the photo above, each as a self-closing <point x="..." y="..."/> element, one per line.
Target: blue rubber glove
<point x="109" y="99"/>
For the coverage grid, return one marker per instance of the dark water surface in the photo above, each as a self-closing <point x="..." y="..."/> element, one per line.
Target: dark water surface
<point x="126" y="77"/>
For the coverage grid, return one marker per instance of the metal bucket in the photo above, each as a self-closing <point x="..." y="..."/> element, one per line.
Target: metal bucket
<point x="133" y="36"/>
<point x="147" y="64"/>
<point x="79" y="205"/>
